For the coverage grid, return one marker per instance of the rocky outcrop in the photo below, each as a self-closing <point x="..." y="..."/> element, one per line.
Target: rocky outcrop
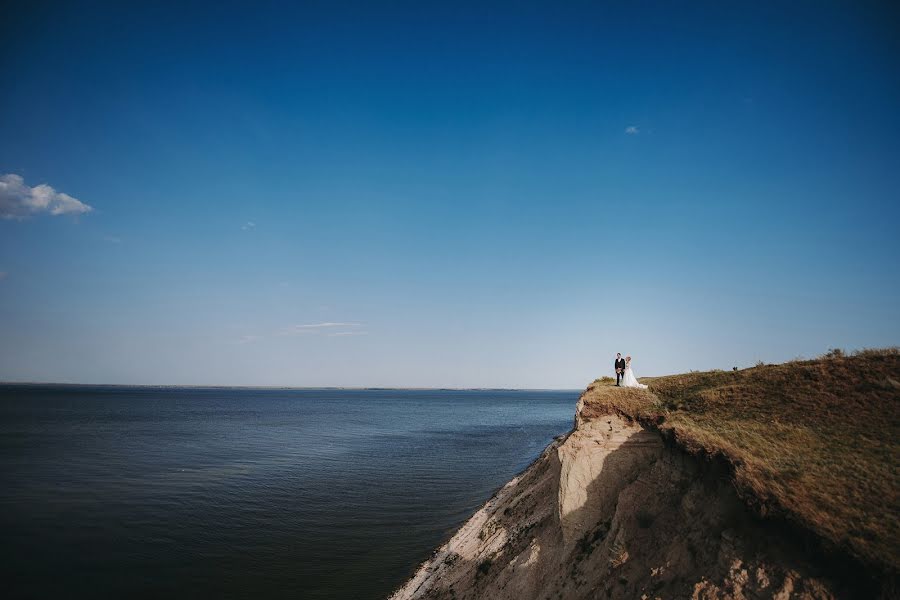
<point x="613" y="510"/>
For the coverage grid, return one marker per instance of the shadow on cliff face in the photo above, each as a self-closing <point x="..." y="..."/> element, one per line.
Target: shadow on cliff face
<point x="543" y="550"/>
<point x="593" y="476"/>
<point x="676" y="528"/>
<point x="655" y="522"/>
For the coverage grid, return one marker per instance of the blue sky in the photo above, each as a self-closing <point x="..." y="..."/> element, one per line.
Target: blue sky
<point x="466" y="194"/>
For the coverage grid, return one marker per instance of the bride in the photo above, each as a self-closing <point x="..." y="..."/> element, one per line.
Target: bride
<point x="630" y="380"/>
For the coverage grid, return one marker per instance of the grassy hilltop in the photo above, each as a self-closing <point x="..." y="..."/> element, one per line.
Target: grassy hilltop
<point x="815" y="441"/>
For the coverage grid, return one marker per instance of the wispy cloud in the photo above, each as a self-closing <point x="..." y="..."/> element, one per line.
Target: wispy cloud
<point x="325" y="325"/>
<point x="112" y="239"/>
<point x="248" y="226"/>
<point x="18" y="201"/>
<point x="325" y="328"/>
<point x="632" y="130"/>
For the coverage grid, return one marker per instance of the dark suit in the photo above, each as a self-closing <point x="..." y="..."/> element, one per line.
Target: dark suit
<point x="619" y="364"/>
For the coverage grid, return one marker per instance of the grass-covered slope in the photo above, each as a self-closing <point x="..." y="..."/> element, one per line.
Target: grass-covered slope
<point x="815" y="441"/>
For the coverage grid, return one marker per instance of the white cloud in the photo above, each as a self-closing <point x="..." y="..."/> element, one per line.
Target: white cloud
<point x="326" y="328"/>
<point x="632" y="130"/>
<point x="317" y="328"/>
<point x="248" y="226"/>
<point x="326" y="324"/>
<point x="18" y="201"/>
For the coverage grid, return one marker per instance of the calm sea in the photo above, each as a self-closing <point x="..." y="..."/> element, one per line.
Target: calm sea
<point x="248" y="493"/>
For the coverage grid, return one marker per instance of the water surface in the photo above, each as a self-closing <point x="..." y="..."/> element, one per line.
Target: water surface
<point x="198" y="492"/>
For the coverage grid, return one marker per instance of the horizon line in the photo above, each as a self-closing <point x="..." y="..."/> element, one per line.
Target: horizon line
<point x="288" y="387"/>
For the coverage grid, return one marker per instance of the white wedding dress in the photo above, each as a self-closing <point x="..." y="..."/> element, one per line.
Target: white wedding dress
<point x="629" y="380"/>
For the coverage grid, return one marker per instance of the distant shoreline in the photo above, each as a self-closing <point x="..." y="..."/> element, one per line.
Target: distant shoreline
<point x="279" y="387"/>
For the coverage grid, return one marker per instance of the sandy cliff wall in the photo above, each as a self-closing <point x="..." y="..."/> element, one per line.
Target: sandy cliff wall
<point x="613" y="511"/>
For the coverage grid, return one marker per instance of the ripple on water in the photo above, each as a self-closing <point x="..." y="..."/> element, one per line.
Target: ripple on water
<point x="249" y="493"/>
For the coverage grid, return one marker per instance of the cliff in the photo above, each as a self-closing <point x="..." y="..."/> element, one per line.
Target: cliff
<point x="771" y="482"/>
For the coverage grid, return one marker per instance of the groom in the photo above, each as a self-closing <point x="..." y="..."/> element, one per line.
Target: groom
<point x="620" y="367"/>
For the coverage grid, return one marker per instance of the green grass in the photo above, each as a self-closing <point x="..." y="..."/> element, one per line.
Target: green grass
<point x="814" y="440"/>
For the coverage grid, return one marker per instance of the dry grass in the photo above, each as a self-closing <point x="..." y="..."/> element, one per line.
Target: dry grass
<point x="813" y="440"/>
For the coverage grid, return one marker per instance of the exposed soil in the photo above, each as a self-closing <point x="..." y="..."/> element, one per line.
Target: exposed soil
<point x="630" y="505"/>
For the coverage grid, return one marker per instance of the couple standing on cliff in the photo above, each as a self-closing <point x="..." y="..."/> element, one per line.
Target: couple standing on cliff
<point x="625" y="374"/>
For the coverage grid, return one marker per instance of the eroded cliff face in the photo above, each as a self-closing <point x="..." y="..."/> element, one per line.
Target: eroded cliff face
<point x="611" y="511"/>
